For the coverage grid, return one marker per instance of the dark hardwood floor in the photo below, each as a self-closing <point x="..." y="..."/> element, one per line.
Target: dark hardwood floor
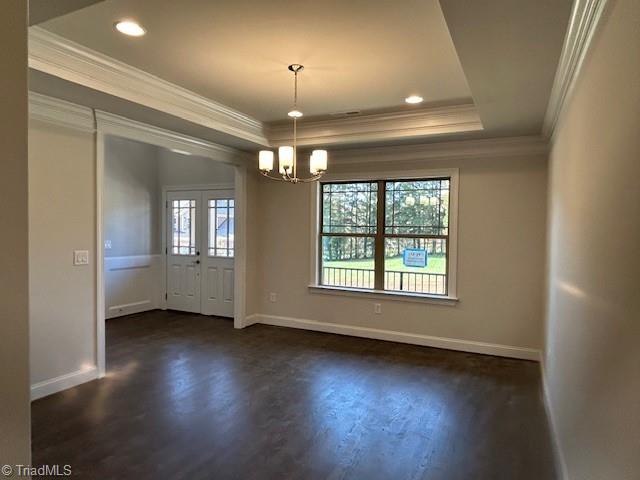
<point x="189" y="397"/>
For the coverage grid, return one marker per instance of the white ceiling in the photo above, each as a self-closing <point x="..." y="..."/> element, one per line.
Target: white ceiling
<point x="509" y="50"/>
<point x="359" y="54"/>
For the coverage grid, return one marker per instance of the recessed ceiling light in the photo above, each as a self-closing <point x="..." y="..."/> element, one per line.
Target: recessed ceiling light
<point x="181" y="152"/>
<point x="413" y="99"/>
<point x="131" y="28"/>
<point x="295" y="113"/>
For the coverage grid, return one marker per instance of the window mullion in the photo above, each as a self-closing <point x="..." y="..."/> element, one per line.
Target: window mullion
<point x="379" y="242"/>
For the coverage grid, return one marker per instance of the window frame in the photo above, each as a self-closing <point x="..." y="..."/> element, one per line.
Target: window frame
<point x="316" y="235"/>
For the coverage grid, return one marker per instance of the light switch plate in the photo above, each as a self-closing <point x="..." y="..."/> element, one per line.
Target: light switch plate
<point x="81" y="257"/>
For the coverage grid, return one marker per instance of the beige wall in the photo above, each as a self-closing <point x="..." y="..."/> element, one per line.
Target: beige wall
<point x="593" y="316"/>
<point x="61" y="219"/>
<point x="502" y="204"/>
<point x="15" y="435"/>
<point x="255" y="248"/>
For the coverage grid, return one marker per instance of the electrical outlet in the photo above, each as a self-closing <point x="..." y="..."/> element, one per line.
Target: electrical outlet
<point x="273" y="297"/>
<point x="81" y="257"/>
<point x="107" y="244"/>
<point x="377" y="308"/>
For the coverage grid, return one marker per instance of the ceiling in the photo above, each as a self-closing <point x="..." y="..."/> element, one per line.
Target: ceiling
<point x="42" y="10"/>
<point x="509" y="50"/>
<point x="366" y="55"/>
<point x="359" y="54"/>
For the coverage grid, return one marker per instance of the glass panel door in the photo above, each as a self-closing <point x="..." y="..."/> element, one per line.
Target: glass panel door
<point x="221" y="227"/>
<point x="184" y="227"/>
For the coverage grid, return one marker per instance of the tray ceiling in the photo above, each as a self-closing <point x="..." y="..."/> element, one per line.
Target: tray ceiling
<point x="363" y="55"/>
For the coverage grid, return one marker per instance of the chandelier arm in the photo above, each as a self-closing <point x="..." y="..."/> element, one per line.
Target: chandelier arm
<point x="292" y="179"/>
<point x="311" y="179"/>
<point x="271" y="177"/>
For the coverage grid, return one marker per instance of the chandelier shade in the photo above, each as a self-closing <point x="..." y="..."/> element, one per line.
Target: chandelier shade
<point x="265" y="160"/>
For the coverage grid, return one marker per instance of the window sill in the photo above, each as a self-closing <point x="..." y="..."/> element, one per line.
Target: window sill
<point x="384" y="295"/>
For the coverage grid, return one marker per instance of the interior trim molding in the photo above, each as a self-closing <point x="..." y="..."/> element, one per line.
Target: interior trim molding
<point x="401" y="337"/>
<point x="58" y="56"/>
<point x="57" y="384"/>
<point x="425" y="122"/>
<point x="111" y="124"/>
<point x="459" y="150"/>
<point x="585" y="18"/>
<point x="143" y="294"/>
<point x="59" y="112"/>
<point x="558" y="454"/>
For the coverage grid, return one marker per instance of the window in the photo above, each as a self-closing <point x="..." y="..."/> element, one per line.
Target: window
<point x="183" y="227"/>
<point x="221" y="227"/>
<point x="391" y="235"/>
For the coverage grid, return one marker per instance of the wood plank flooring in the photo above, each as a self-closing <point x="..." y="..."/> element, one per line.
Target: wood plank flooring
<point x="189" y="397"/>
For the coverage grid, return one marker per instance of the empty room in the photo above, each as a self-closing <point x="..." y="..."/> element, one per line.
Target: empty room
<point x="320" y="240"/>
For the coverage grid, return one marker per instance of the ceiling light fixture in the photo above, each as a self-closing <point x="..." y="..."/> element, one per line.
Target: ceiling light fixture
<point x="287" y="155"/>
<point x="129" y="27"/>
<point x="181" y="152"/>
<point x="413" y="99"/>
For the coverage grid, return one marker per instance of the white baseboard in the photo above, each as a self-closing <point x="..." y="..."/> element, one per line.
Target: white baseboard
<point x="401" y="337"/>
<point x="129" y="308"/>
<point x="57" y="384"/>
<point x="558" y="455"/>
<point x="251" y="319"/>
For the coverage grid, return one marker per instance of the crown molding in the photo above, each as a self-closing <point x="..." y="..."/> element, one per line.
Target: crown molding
<point x="60" y="112"/>
<point x="63" y="58"/>
<point x="55" y="55"/>
<point x="460" y="150"/>
<point x="110" y="124"/>
<point x="586" y="16"/>
<point x="383" y="126"/>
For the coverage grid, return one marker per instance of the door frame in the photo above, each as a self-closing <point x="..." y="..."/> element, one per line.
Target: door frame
<point x="108" y="124"/>
<point x="164" y="246"/>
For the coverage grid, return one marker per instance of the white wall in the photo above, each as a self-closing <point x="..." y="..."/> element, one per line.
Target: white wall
<point x="176" y="169"/>
<point x="132" y="209"/>
<point x="501" y="259"/>
<point x="62" y="202"/>
<point x="15" y="434"/>
<point x="593" y="316"/>
<point x="131" y="198"/>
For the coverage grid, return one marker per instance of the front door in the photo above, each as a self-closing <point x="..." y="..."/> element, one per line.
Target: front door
<point x="184" y="212"/>
<point x="200" y="251"/>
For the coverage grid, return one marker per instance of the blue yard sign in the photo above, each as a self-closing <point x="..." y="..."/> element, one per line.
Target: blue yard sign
<point x="414" y="257"/>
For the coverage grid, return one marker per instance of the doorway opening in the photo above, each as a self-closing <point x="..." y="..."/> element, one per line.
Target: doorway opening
<point x="170" y="225"/>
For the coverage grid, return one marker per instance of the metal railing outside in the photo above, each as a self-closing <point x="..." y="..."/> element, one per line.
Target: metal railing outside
<point x="431" y="283"/>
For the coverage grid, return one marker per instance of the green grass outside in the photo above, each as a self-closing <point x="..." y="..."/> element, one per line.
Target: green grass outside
<point x="435" y="264"/>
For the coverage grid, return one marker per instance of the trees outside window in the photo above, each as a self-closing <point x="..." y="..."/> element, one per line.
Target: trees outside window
<point x="386" y="235"/>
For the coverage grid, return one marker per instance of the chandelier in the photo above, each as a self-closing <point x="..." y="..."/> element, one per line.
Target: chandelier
<point x="288" y="155"/>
